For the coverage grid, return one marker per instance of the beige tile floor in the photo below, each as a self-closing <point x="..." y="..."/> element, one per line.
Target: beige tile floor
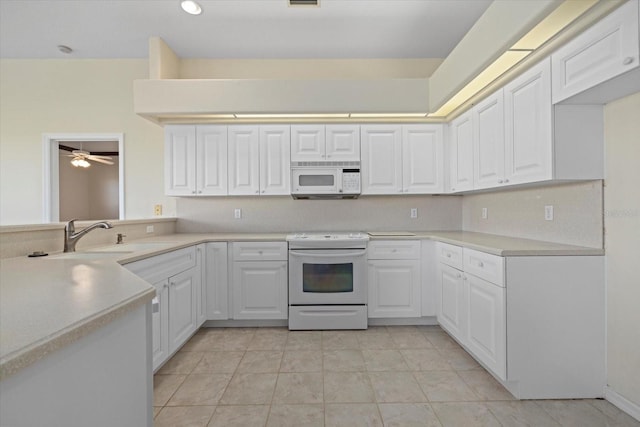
<point x="384" y="376"/>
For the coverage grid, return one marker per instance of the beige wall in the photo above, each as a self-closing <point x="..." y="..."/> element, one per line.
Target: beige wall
<point x="520" y="213"/>
<point x="74" y="96"/>
<point x="622" y="244"/>
<point x="285" y="214"/>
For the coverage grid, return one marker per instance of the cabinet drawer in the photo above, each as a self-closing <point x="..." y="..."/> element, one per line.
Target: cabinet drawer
<point x="450" y="255"/>
<point x="259" y="251"/>
<point x="160" y="267"/>
<point x="394" y="249"/>
<point x="486" y="266"/>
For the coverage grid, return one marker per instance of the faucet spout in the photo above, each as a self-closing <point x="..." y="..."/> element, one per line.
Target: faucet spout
<point x="71" y="237"/>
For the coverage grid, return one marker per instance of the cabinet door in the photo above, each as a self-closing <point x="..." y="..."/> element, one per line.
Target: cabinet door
<point x="381" y="167"/>
<point x="528" y="131"/>
<point x="211" y="159"/>
<point x="422" y="159"/>
<point x="452" y="307"/>
<point x="394" y="288"/>
<point x="605" y="50"/>
<point x="201" y="288"/>
<point x="487" y="330"/>
<point x="461" y="154"/>
<point x="243" y="148"/>
<point x="160" y="324"/>
<point x="275" y="163"/>
<point x="307" y="143"/>
<point x="180" y="160"/>
<point x="260" y="290"/>
<point x="488" y="142"/>
<point x="182" y="307"/>
<point x="342" y="143"/>
<point x="217" y="282"/>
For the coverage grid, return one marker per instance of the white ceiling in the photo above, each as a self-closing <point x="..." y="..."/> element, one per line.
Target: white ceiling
<point x="236" y="28"/>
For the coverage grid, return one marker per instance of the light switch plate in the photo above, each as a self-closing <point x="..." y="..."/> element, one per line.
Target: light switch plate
<point x="237" y="213"/>
<point x="149" y="228"/>
<point x="485" y="213"/>
<point x="414" y="213"/>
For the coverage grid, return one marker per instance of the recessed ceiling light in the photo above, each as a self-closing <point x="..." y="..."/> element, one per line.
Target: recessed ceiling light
<point x="64" y="49"/>
<point x="191" y="7"/>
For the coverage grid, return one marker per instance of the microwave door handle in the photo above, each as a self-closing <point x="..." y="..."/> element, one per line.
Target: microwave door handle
<point x="333" y="255"/>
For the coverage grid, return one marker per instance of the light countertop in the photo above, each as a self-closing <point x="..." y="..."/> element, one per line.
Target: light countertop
<point x="47" y="303"/>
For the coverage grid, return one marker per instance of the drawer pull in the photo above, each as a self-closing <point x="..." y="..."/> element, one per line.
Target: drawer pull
<point x="480" y="264"/>
<point x="628" y="60"/>
<point x="448" y="255"/>
<point x="458" y="276"/>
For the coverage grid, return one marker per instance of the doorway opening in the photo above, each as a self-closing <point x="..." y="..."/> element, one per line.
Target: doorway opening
<point x="95" y="192"/>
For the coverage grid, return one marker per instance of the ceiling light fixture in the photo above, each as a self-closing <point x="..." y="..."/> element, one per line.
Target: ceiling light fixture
<point x="544" y="31"/>
<point x="80" y="163"/>
<point x="191" y="7"/>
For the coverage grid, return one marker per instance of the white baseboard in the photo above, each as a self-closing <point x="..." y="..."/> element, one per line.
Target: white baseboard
<point x="622" y="402"/>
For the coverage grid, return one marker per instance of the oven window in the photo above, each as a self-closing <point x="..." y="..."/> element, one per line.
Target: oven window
<point x="316" y="180"/>
<point x="327" y="278"/>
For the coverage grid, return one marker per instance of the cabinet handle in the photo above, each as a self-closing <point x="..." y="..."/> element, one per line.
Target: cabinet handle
<point x="165" y="286"/>
<point x="500" y="181"/>
<point x="193" y="192"/>
<point x="480" y="264"/>
<point x="394" y="250"/>
<point x="263" y="191"/>
<point x="628" y="60"/>
<point x="257" y="191"/>
<point x="448" y="255"/>
<point x="200" y="192"/>
<point x="506" y="180"/>
<point x="458" y="276"/>
<point x="328" y="155"/>
<point x="406" y="190"/>
<point x="453" y="189"/>
<point x="172" y="284"/>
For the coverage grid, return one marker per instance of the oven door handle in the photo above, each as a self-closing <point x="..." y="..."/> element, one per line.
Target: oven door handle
<point x="331" y="255"/>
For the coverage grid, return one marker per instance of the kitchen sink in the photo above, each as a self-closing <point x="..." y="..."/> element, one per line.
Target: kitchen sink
<point x="132" y="247"/>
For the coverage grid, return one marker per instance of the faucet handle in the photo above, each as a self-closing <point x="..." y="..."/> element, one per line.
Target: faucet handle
<point x="71" y="227"/>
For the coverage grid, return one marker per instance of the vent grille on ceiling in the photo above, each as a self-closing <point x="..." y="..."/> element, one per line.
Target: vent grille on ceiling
<point x="303" y="2"/>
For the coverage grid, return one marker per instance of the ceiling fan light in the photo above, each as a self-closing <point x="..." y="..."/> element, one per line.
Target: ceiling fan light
<point x="191" y="7"/>
<point x="80" y="163"/>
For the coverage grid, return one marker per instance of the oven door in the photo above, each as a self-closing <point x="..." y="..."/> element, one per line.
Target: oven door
<point x="315" y="181"/>
<point x="327" y="276"/>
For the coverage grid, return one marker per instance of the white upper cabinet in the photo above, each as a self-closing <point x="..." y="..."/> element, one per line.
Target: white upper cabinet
<point x="313" y="143"/>
<point x="342" y="143"/>
<point x="461" y="153"/>
<point x="307" y="143"/>
<point x="488" y="142"/>
<point x="528" y="126"/>
<point x="244" y="178"/>
<point x="422" y="158"/>
<point x="275" y="153"/>
<point x="180" y="160"/>
<point x="381" y="169"/>
<point x="609" y="48"/>
<point x="195" y="160"/>
<point x="211" y="160"/>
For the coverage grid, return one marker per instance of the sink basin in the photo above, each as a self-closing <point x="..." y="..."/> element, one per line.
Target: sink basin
<point x="132" y="247"/>
<point x="89" y="255"/>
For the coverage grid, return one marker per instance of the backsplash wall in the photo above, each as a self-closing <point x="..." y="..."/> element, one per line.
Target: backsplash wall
<point x="578" y="213"/>
<point x="283" y="214"/>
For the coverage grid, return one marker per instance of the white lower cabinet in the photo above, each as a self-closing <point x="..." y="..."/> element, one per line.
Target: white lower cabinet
<point x="535" y="322"/>
<point x="451" y="307"/>
<point x="177" y="278"/>
<point x="259" y="280"/>
<point x="486" y="323"/>
<point x="217" y="281"/>
<point x="394" y="279"/>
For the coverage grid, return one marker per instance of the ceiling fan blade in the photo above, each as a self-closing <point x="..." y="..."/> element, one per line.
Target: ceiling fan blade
<point x="106" y="162"/>
<point x="93" y="156"/>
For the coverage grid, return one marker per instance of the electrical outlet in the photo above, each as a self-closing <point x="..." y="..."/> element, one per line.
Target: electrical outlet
<point x="485" y="213"/>
<point x="149" y="228"/>
<point x="157" y="210"/>
<point x="237" y="213"/>
<point x="414" y="213"/>
<point x="548" y="212"/>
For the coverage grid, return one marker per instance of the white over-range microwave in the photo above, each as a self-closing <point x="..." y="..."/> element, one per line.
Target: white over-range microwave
<point x="325" y="180"/>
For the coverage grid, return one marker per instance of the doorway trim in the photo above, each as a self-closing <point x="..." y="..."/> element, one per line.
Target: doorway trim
<point x="51" y="168"/>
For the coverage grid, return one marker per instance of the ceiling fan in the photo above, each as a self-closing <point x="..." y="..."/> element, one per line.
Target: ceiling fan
<point x="81" y="158"/>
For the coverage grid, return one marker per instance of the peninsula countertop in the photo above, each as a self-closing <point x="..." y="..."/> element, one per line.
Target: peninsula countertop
<point x="49" y="302"/>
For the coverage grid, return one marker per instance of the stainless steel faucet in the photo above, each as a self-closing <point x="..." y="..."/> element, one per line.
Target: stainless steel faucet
<point x="71" y="237"/>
